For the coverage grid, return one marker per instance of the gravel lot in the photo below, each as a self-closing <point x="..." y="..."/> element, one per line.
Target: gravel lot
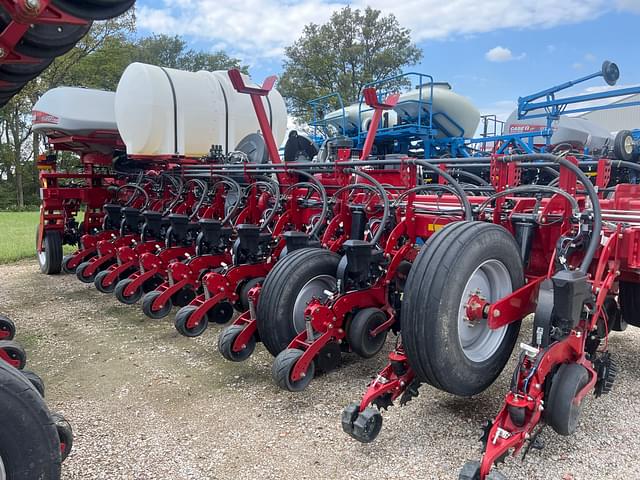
<point x="146" y="403"/>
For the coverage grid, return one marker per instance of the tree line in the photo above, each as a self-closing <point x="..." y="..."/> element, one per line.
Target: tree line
<point x="354" y="47"/>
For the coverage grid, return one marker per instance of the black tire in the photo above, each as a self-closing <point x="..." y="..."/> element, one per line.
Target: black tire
<point x="147" y="304"/>
<point x="35" y="380"/>
<point x="226" y="340"/>
<point x="96" y="9"/>
<point x="182" y="317"/>
<point x="15" y="352"/>
<point x="561" y="413"/>
<point x="65" y="434"/>
<point x="65" y="264"/>
<point x="29" y="442"/>
<point x="280" y="291"/>
<point x="19" y="73"/>
<point x="7" y="328"/>
<point x="50" y="259"/>
<point x="119" y="292"/>
<point x="82" y="277"/>
<point x="358" y="332"/>
<point x="221" y="313"/>
<point x="432" y="299"/>
<point x="623" y="146"/>
<point x="629" y="299"/>
<point x="283" y="366"/>
<point x="98" y="283"/>
<point x="243" y="302"/>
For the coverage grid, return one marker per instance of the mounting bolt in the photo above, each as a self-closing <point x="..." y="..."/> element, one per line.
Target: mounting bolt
<point x="32" y="4"/>
<point x="303" y="374"/>
<point x="496" y="313"/>
<point x="3" y="52"/>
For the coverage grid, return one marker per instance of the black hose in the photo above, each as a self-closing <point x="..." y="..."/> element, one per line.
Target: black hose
<point x="594" y="241"/>
<point x="531" y="189"/>
<point x="323" y="195"/>
<point x="385" y="202"/>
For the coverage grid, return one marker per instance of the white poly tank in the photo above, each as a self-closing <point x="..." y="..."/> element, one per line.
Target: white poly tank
<point x="162" y="111"/>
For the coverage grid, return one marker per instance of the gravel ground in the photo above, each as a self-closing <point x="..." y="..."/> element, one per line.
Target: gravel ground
<point x="146" y="403"/>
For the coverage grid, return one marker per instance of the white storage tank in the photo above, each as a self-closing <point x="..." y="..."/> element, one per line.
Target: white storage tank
<point x="162" y="112"/>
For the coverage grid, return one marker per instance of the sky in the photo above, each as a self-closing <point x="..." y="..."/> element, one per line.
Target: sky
<point x="492" y="51"/>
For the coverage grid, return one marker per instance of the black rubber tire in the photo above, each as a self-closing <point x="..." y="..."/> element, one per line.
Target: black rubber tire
<point x="82" y="277"/>
<point x="98" y="283"/>
<point x="65" y="262"/>
<point x="35" y="380"/>
<point x="221" y="313"/>
<point x="15" y="352"/>
<point x="8" y="327"/>
<point x="20" y="73"/>
<point x="52" y="245"/>
<point x="282" y="367"/>
<point x="95" y="9"/>
<point x="29" y="442"/>
<point x="119" y="292"/>
<point x="560" y="412"/>
<point x="280" y="290"/>
<point x="358" y="336"/>
<point x="147" y="302"/>
<point x="65" y="434"/>
<point x="620" y="148"/>
<point x="182" y="317"/>
<point x="629" y="299"/>
<point x="225" y="344"/>
<point x="470" y="471"/>
<point x="432" y="298"/>
<point x="243" y="302"/>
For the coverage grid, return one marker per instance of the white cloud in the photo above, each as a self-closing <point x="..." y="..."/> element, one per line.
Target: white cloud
<point x="502" y="54"/>
<point x="590" y="57"/>
<point x="260" y="29"/>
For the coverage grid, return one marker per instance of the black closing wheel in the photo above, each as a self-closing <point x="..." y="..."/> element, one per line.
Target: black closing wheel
<point x="221" y="313"/>
<point x="35" y="380"/>
<point x="65" y="434"/>
<point x="100" y="286"/>
<point x="359" y="332"/>
<point x="629" y="298"/>
<point x="82" y="276"/>
<point x="367" y="425"/>
<point x="147" y="306"/>
<point x="183" y="316"/>
<point x="7" y="328"/>
<point x="561" y="412"/>
<point x="287" y="290"/>
<point x="127" y="299"/>
<point x="283" y="367"/>
<point x="623" y="146"/>
<point x="444" y="347"/>
<point x="226" y="340"/>
<point x="50" y="258"/>
<point x="349" y="415"/>
<point x="65" y="264"/>
<point x="29" y="442"/>
<point x="94" y="9"/>
<point x="13" y="354"/>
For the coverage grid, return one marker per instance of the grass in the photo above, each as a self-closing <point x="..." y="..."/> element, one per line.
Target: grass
<point x="18" y="236"/>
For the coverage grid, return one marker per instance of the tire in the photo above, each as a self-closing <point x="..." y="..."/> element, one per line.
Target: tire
<point x="65" y="264"/>
<point x="221" y="313"/>
<point x="7" y="328"/>
<point x="65" y="434"/>
<point x="29" y="442"/>
<point x="243" y="302"/>
<point x="358" y="332"/>
<point x="629" y="299"/>
<point x="94" y="10"/>
<point x="15" y="352"/>
<point x="283" y="366"/>
<point x="81" y="276"/>
<point x="147" y="303"/>
<point x="226" y="340"/>
<point x="98" y="283"/>
<point x="281" y="288"/>
<point x="50" y="259"/>
<point x="182" y="317"/>
<point x="453" y="262"/>
<point x="623" y="146"/>
<point x="560" y="412"/>
<point x="35" y="380"/>
<point x="119" y="292"/>
<point x="19" y="73"/>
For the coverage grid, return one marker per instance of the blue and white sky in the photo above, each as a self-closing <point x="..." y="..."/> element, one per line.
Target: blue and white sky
<point x="492" y="51"/>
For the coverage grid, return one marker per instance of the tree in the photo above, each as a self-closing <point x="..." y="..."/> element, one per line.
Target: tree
<point x="350" y="50"/>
